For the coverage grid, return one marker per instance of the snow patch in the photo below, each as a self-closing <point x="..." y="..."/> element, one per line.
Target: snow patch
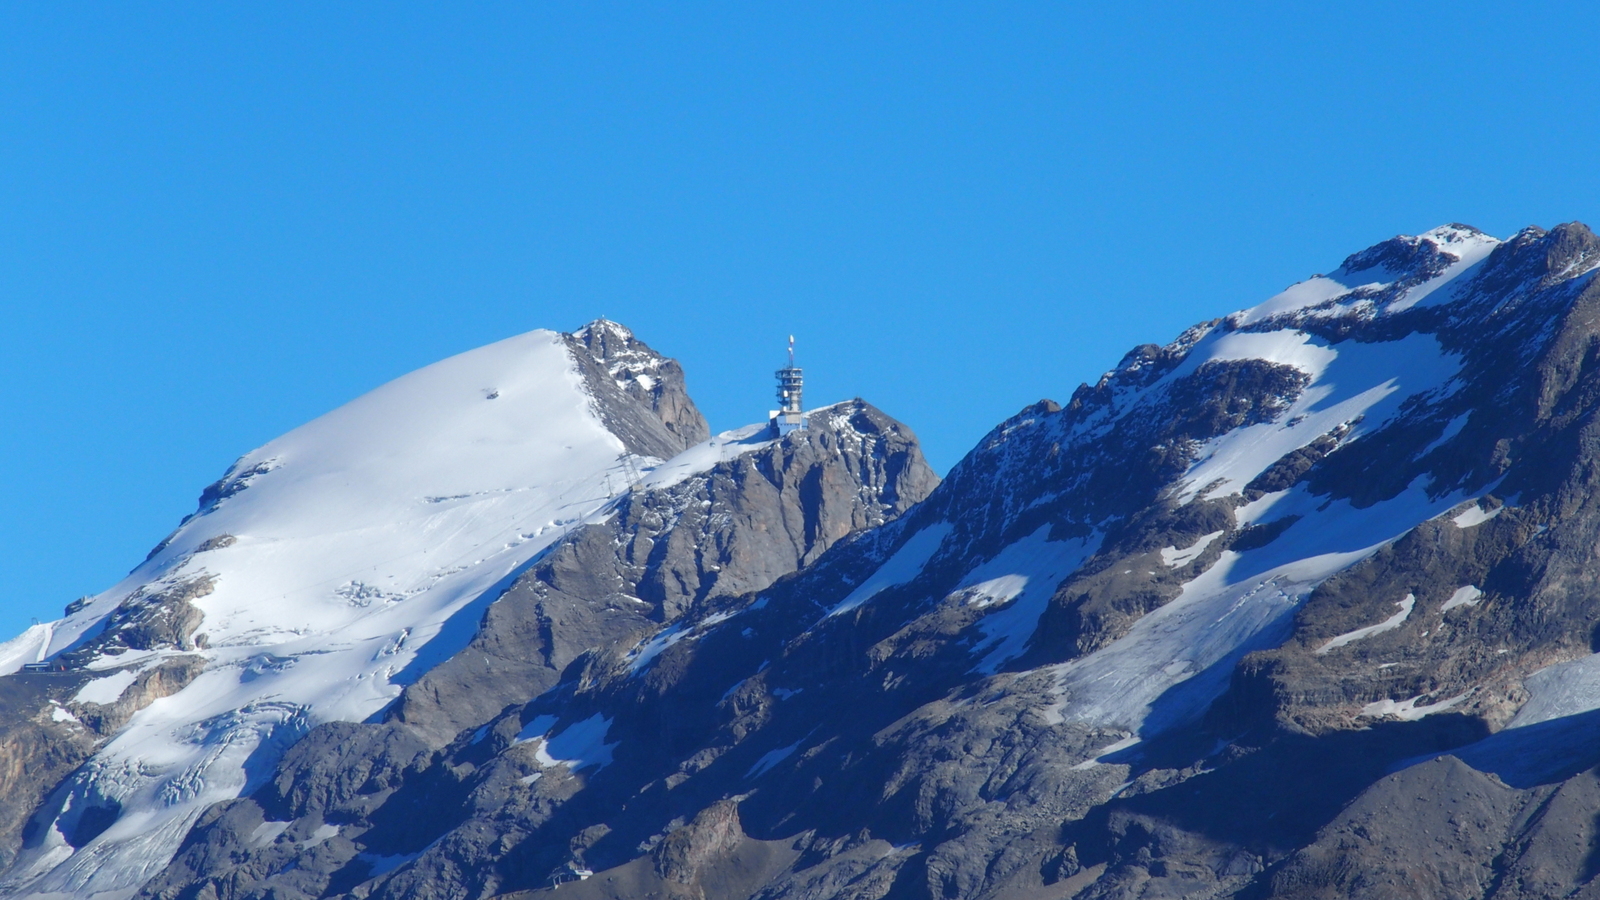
<point x="1408" y="709"/>
<point x="642" y="655"/>
<point x="1105" y="751"/>
<point x="1558" y="691"/>
<point x="1467" y="595"/>
<point x="1311" y="292"/>
<point x="904" y="565"/>
<point x="266" y="833"/>
<point x="772" y="758"/>
<point x="383" y="865"/>
<point x="106" y="690"/>
<point x="1451" y="429"/>
<point x="1350" y="381"/>
<point x="535" y="730"/>
<point x="1474" y="515"/>
<point x="319" y="835"/>
<point x="706" y="455"/>
<point x="1175" y="661"/>
<point x="1174" y="557"/>
<point x="580" y="745"/>
<point x="1023" y="575"/>
<point x="1388" y="624"/>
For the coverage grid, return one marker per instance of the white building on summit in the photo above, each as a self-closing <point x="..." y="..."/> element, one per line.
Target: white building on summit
<point x="788" y="416"/>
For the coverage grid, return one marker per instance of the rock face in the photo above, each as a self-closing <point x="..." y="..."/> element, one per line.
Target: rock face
<point x="1301" y="604"/>
<point x="613" y="361"/>
<point x="733" y="529"/>
<point x="668" y="554"/>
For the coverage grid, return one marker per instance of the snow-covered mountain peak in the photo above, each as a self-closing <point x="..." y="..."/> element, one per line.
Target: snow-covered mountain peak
<point x="1387" y="278"/>
<point x="1455" y="234"/>
<point x="328" y="569"/>
<point x="436" y="448"/>
<point x="625" y="357"/>
<point x="603" y="327"/>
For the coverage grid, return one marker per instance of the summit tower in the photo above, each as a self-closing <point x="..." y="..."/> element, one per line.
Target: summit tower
<point x="789" y="415"/>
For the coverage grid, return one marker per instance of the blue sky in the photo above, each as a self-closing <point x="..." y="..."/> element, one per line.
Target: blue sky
<point x="216" y="224"/>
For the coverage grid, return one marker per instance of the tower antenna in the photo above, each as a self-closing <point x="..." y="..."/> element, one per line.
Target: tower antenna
<point x="790" y="414"/>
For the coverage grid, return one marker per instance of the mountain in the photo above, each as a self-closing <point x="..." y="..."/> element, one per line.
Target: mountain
<point x="342" y="573"/>
<point x="1301" y="604"/>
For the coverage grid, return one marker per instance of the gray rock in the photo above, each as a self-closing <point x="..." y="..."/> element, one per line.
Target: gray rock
<point x="733" y="530"/>
<point x="37" y="749"/>
<point x="667" y="556"/>
<point x="613" y="361"/>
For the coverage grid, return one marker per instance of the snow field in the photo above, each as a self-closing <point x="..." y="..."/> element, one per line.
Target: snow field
<point x="1409" y="710"/>
<point x="1474" y="515"/>
<point x="1467" y="595"/>
<point x="364" y="549"/>
<point x="1349" y="382"/>
<point x="903" y="566"/>
<point x="1023" y="575"/>
<point x="1174" y="661"/>
<point x="581" y="745"/>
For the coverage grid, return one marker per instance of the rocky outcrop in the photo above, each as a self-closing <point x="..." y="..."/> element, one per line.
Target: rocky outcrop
<point x="613" y="361"/>
<point x="150" y="683"/>
<point x="40" y="744"/>
<point x="161" y="616"/>
<point x="730" y="531"/>
<point x="685" y="854"/>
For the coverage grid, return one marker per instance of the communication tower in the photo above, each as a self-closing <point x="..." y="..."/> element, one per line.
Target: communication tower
<point x="789" y="415"/>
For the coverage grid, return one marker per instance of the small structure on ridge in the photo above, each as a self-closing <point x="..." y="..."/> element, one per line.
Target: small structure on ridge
<point x="788" y="416"/>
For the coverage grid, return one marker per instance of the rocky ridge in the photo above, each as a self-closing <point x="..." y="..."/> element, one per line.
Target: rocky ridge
<point x="571" y="431"/>
<point x="1297" y="605"/>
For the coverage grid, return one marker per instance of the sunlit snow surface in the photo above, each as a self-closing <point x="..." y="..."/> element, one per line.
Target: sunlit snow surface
<point x="1174" y="661"/>
<point x="363" y="557"/>
<point x="1348" y="381"/>
<point x="581" y="745"/>
<point x="1389" y="624"/>
<point x="1468" y="247"/>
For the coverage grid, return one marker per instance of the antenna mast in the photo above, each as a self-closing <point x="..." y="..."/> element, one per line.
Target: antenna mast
<point x="790" y="414"/>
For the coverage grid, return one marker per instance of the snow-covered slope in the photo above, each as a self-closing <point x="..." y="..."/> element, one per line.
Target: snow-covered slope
<point x="342" y="560"/>
<point x="1141" y="645"/>
<point x="1146" y="644"/>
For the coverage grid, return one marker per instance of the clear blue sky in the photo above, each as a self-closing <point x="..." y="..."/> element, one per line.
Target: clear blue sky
<point x="216" y="224"/>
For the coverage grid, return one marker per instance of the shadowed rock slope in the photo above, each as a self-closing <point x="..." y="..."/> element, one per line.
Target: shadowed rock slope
<point x="1301" y="604"/>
